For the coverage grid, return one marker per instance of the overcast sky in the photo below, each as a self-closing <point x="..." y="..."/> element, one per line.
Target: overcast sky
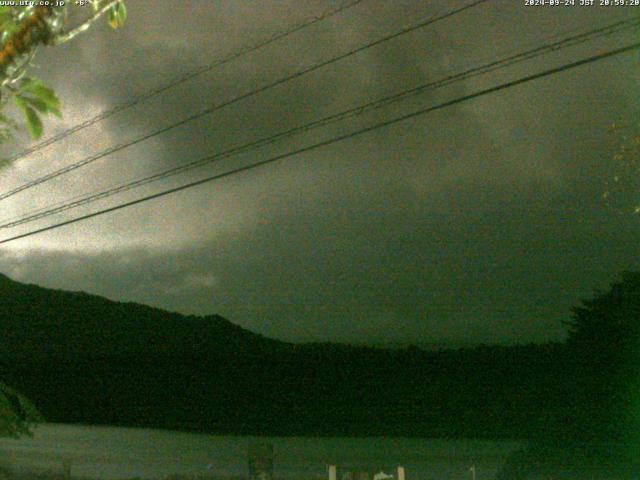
<point x="482" y="222"/>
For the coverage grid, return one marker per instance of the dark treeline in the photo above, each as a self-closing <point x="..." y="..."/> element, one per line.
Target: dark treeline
<point x="85" y="359"/>
<point x="489" y="392"/>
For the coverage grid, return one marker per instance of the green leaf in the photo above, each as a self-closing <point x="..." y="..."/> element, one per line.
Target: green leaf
<point x="42" y="92"/>
<point x="7" y="25"/>
<point x="34" y="124"/>
<point x="30" y="83"/>
<point x="17" y="413"/>
<point x="41" y="97"/>
<point x="117" y="15"/>
<point x="28" y="412"/>
<point x="41" y="106"/>
<point x="5" y="16"/>
<point x="20" y="103"/>
<point x="37" y="104"/>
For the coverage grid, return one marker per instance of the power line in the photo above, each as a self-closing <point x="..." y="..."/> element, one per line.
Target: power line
<point x="331" y="141"/>
<point x="184" y="78"/>
<point x="483" y="69"/>
<point x="252" y="93"/>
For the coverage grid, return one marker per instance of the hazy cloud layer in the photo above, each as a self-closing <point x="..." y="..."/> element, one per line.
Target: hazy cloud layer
<point x="478" y="223"/>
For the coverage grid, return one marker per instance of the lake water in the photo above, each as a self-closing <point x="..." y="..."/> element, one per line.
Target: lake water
<point x="110" y="452"/>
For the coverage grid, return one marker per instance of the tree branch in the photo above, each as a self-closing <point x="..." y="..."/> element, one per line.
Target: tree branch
<point x="33" y="31"/>
<point x="20" y="70"/>
<point x="71" y="34"/>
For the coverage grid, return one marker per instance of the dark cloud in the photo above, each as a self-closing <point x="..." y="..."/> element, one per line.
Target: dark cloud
<point x="478" y="223"/>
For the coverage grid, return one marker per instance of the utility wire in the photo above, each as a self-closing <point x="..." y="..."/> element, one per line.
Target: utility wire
<point x="479" y="70"/>
<point x="184" y="78"/>
<point x="252" y="93"/>
<point x="331" y="141"/>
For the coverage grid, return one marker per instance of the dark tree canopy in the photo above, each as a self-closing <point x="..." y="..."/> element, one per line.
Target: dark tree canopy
<point x="606" y="328"/>
<point x="592" y="423"/>
<point x="605" y="338"/>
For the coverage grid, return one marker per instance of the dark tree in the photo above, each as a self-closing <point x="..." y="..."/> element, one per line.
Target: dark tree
<point x="610" y="322"/>
<point x="590" y="427"/>
<point x="604" y="338"/>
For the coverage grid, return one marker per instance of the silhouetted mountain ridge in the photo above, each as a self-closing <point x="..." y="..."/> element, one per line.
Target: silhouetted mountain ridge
<point x="41" y="321"/>
<point x="86" y="359"/>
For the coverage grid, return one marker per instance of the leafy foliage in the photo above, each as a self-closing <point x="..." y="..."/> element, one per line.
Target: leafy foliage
<point x="34" y="98"/>
<point x="610" y="320"/>
<point x="117" y="15"/>
<point x="10" y="19"/>
<point x="605" y="335"/>
<point x="22" y="30"/>
<point x="596" y="423"/>
<point x="17" y="413"/>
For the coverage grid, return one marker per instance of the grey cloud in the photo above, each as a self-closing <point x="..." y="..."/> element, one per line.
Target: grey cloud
<point x="481" y="222"/>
